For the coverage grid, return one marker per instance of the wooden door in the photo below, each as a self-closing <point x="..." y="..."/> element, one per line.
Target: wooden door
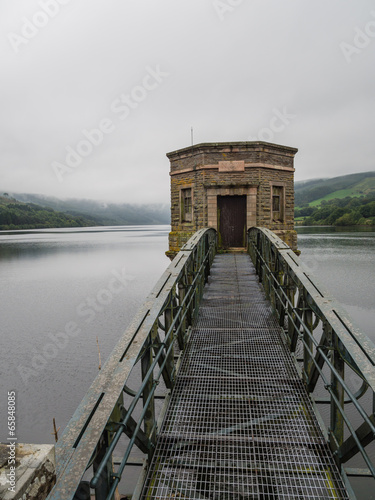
<point x="232" y="221"/>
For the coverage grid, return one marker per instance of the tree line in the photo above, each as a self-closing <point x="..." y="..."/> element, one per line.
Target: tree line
<point x="31" y="216"/>
<point x="340" y="212"/>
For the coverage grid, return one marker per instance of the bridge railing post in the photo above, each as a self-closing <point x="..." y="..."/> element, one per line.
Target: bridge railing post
<point x="279" y="297"/>
<point x="169" y="344"/>
<point x="258" y="265"/>
<point x="189" y="285"/>
<point x="336" y="420"/>
<point x="185" y="317"/>
<point x="201" y="277"/>
<point x="208" y="263"/>
<point x="278" y="286"/>
<point x="148" y="392"/>
<point x="192" y="275"/>
<point x="264" y="263"/>
<point x="290" y="303"/>
<point x="104" y="484"/>
<point x="307" y="337"/>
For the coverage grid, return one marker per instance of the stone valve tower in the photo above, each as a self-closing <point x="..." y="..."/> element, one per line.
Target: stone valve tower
<point x="232" y="186"/>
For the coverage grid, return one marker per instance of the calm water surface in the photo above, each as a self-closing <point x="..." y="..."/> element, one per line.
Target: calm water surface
<point x="344" y="261"/>
<point x="61" y="290"/>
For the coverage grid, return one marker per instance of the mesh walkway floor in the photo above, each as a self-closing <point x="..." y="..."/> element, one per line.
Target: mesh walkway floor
<point x="239" y="424"/>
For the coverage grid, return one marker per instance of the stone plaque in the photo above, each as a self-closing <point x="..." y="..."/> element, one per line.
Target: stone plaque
<point x="231" y="166"/>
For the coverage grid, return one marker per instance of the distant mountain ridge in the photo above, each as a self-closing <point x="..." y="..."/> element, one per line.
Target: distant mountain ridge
<point x="312" y="192"/>
<point x="103" y="214"/>
<point x="30" y="211"/>
<point x="15" y="214"/>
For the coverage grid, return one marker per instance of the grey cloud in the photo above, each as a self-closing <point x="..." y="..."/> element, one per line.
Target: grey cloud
<point x="225" y="78"/>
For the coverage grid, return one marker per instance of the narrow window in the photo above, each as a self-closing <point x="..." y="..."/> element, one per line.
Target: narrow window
<point x="278" y="203"/>
<point x="186" y="205"/>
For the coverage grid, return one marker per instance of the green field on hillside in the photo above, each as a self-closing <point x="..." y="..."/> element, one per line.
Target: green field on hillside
<point x="342" y="193"/>
<point x="313" y="192"/>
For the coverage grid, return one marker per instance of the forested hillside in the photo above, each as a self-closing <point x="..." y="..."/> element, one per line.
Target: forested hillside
<point x="107" y="214"/>
<point x="348" y="200"/>
<point x="340" y="212"/>
<point x="313" y="192"/>
<point x="30" y="211"/>
<point x="17" y="215"/>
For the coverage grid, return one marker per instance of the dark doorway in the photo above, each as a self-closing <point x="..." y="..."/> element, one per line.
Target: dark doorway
<point x="232" y="221"/>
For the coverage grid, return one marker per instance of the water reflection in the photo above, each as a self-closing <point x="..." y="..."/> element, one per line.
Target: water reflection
<point x="62" y="289"/>
<point x="344" y="261"/>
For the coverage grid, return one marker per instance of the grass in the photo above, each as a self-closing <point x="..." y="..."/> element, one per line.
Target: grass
<point x="342" y="193"/>
<point x="359" y="189"/>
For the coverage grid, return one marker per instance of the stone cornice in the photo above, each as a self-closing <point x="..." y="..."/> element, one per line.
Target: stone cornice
<point x="247" y="166"/>
<point x="232" y="147"/>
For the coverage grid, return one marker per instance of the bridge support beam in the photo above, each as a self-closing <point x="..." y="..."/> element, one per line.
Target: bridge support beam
<point x="319" y="360"/>
<point x="350" y="448"/>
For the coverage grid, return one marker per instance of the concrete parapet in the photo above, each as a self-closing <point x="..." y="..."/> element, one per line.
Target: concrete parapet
<point x="27" y="471"/>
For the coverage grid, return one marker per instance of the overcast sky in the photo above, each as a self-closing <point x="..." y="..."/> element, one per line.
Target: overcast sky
<point x="94" y="93"/>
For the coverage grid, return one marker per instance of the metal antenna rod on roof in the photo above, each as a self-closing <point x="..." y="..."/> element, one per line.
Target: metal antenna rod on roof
<point x="192" y="140"/>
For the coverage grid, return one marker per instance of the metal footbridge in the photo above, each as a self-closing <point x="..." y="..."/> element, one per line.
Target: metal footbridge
<point x="268" y="388"/>
<point x="239" y="424"/>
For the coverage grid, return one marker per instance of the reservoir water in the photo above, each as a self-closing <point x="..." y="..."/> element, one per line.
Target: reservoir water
<point x="344" y="261"/>
<point x="65" y="291"/>
<point x="61" y="290"/>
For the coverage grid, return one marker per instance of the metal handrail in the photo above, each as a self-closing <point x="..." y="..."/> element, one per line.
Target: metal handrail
<point x="101" y="419"/>
<point x="297" y="297"/>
